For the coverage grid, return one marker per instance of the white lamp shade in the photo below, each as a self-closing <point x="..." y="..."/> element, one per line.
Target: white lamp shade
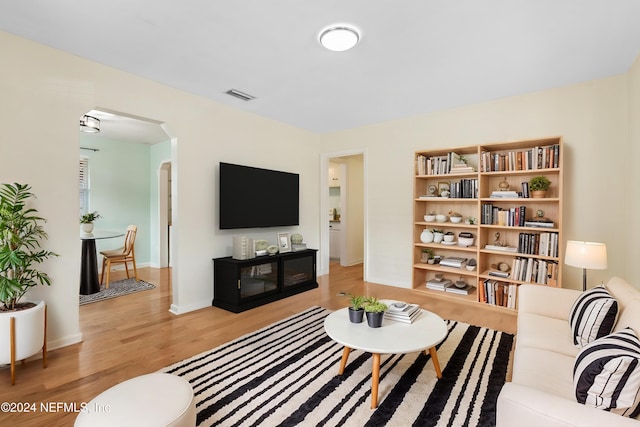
<point x="590" y="255"/>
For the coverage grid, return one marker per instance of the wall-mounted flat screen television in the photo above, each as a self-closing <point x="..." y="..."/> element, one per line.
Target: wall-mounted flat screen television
<point x="252" y="197"/>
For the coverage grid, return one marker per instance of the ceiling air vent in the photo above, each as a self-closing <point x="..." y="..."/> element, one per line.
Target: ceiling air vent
<point x="240" y="95"/>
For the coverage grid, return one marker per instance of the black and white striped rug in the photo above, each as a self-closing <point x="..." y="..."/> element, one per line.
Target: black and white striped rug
<point x="286" y="374"/>
<point x="116" y="289"/>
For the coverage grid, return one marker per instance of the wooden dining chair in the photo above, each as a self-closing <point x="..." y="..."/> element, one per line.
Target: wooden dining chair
<point x="122" y="255"/>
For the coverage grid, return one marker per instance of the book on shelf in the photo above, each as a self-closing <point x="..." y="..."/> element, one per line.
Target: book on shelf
<point x="402" y="311"/>
<point x="455" y="262"/>
<point x="498" y="273"/>
<point x="500" y="194"/>
<point x="438" y="283"/>
<point x="539" y="224"/>
<point x="466" y="290"/>
<point x="501" y="248"/>
<point x="498" y="293"/>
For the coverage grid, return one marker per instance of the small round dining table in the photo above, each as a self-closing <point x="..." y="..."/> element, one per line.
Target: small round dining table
<point x="89" y="282"/>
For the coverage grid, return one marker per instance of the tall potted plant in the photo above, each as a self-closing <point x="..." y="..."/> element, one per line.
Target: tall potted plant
<point x="21" y="234"/>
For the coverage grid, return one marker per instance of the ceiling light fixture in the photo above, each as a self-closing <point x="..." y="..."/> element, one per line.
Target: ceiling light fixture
<point x="89" y="124"/>
<point x="339" y="38"/>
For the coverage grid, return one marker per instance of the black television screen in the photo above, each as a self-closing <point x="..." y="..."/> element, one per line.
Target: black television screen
<point x="252" y="197"/>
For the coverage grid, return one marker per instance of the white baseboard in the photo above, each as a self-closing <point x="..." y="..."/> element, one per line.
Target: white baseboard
<point x="182" y="309"/>
<point x="64" y="341"/>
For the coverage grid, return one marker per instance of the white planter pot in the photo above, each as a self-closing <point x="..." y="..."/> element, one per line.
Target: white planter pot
<point x="86" y="228"/>
<point x="29" y="332"/>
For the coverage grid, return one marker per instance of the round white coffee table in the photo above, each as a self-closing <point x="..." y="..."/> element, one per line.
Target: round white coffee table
<point x="394" y="337"/>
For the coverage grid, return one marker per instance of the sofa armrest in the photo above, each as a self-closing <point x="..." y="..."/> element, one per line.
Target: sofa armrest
<point x="546" y="301"/>
<point x="523" y="406"/>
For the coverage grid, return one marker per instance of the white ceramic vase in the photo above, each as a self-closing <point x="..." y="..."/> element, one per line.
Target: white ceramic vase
<point x="87" y="228"/>
<point x="426" y="236"/>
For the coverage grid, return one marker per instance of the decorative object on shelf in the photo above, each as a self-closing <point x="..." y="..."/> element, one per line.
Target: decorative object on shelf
<point x="586" y="255"/>
<point x="539" y="221"/>
<point x="455" y="217"/>
<point x="460" y="283"/>
<point x="432" y="190"/>
<point x="284" y="242"/>
<point x="441" y="218"/>
<point x="427" y="254"/>
<point x="497" y="241"/>
<point x="471" y="264"/>
<point x="272" y="249"/>
<point x="356" y="311"/>
<point x="504" y="185"/>
<point x="296" y="238"/>
<point x="87" y="220"/>
<point x="430" y="217"/>
<point x="438" y="235"/>
<point x="444" y="188"/>
<point x="465" y="239"/>
<point x="538" y="186"/>
<point x="374" y="310"/>
<point x="426" y="236"/>
<point x="449" y="236"/>
<point x="470" y="220"/>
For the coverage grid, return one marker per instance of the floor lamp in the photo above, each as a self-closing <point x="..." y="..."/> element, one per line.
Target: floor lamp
<point x="586" y="255"/>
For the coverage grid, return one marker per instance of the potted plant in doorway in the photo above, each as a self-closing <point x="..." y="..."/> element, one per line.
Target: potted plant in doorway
<point x="87" y="220"/>
<point x="21" y="234"/>
<point x="374" y="310"/>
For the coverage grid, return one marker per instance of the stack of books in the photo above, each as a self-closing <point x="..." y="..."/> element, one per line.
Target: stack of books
<point x="499" y="194"/>
<point x="455" y="262"/>
<point x="438" y="283"/>
<point x="402" y="311"/>
<point x="465" y="290"/>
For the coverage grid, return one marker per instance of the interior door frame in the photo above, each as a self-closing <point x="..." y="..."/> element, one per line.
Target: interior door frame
<point x="323" y="262"/>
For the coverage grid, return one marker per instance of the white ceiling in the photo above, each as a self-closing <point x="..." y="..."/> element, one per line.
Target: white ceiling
<point x="415" y="56"/>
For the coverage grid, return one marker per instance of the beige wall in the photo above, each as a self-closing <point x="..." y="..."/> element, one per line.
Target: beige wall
<point x="592" y="119"/>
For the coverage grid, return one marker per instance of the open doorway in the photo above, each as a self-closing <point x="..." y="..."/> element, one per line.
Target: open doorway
<point x="130" y="181"/>
<point x="343" y="216"/>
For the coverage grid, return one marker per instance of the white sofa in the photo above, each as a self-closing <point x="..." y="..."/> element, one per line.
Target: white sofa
<point x="541" y="392"/>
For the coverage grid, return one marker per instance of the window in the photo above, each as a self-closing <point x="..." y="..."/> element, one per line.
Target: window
<point x="83" y="181"/>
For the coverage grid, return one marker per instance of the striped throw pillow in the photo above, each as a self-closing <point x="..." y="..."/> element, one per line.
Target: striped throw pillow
<point x="606" y="374"/>
<point x="593" y="315"/>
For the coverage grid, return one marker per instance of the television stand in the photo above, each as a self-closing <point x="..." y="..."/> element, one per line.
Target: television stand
<point x="240" y="285"/>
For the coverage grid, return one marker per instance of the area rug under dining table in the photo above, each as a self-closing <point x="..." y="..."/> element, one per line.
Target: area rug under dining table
<point x="286" y="374"/>
<point x="117" y="289"/>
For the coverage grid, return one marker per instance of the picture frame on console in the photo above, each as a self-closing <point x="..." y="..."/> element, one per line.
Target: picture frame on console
<point x="284" y="242"/>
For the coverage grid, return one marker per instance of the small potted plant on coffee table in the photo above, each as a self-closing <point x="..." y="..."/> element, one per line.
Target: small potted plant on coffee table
<point x="356" y="312"/>
<point x="375" y="312"/>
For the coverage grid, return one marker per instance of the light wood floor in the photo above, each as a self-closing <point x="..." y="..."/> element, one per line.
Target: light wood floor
<point x="135" y="334"/>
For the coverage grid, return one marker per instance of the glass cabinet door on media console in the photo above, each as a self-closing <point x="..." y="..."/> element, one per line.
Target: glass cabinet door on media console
<point x="516" y="239"/>
<point x="240" y="285"/>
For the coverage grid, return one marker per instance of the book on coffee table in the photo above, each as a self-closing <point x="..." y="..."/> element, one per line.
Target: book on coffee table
<point x="402" y="311"/>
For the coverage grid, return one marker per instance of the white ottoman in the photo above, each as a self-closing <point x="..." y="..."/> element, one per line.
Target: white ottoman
<point x="152" y="400"/>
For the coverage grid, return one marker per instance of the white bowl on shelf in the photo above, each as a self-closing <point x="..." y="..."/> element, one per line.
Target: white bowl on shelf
<point x="441" y="218"/>
<point x="455" y="219"/>
<point x="465" y="241"/>
<point x="429" y="218"/>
